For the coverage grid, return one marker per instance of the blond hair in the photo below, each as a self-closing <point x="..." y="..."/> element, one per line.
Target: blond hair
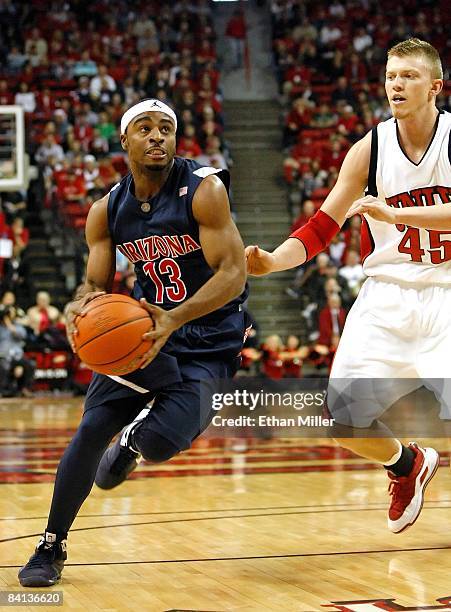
<point x="415" y="46"/>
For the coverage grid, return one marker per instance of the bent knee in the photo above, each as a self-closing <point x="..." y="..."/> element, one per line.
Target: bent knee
<point x="156" y="448"/>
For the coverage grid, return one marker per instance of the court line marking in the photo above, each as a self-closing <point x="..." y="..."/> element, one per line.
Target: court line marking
<point x="253" y="557"/>
<point x="203" y="518"/>
<point x="375" y="506"/>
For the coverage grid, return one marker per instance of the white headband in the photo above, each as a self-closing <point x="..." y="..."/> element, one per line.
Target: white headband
<point x="145" y="107"/>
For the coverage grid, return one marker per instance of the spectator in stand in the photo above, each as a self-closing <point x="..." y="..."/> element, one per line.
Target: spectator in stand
<point x="20" y="237"/>
<point x="337" y="249"/>
<point x="355" y="70"/>
<point x="293" y="356"/>
<point x="207" y="95"/>
<point x="15" y="60"/>
<point x="49" y="149"/>
<point x="147" y="41"/>
<point x="362" y="40"/>
<point x="331" y="321"/>
<point x="329" y="33"/>
<point x="84" y="132"/>
<point x="336" y="9"/>
<point x="343" y="92"/>
<point x="106" y="127"/>
<point x="108" y="173"/>
<point x="85" y="66"/>
<point x="352" y="233"/>
<point x="208" y="113"/>
<point x="347" y="121"/>
<point x="73" y="187"/>
<point x="272" y="363"/>
<point x="16" y="372"/>
<point x="187" y="145"/>
<point x="36" y="44"/>
<point x="100" y="145"/>
<point x="102" y="86"/>
<point x="61" y="125"/>
<point x="128" y="92"/>
<point x="33" y="58"/>
<point x="6" y="95"/>
<point x="299" y="117"/>
<point x="236" y="32"/>
<point x="13" y="203"/>
<point x="352" y="271"/>
<point x="339" y="285"/>
<point x="43" y="315"/>
<point x="209" y="128"/>
<point x="213" y="156"/>
<point x="74" y="149"/>
<point x="82" y="93"/>
<point x="324" y="117"/>
<point x="93" y="181"/>
<point x="308" y="210"/>
<point x="116" y="109"/>
<point x="333" y="155"/>
<point x="9" y="299"/>
<point x="296" y="76"/>
<point x="312" y="277"/>
<point x="25" y="98"/>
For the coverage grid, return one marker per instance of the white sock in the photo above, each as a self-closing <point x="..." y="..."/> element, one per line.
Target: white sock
<point x="396" y="456"/>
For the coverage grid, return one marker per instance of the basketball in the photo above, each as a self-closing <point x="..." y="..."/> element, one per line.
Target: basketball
<point x="109" y="338"/>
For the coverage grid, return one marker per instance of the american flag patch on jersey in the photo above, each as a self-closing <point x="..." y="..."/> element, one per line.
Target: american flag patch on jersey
<point x="183" y="191"/>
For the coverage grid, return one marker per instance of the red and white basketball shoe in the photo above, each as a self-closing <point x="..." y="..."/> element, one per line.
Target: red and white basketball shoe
<point x="407" y="492"/>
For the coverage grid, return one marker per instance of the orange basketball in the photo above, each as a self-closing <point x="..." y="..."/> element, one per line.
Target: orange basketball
<point x="109" y="338"/>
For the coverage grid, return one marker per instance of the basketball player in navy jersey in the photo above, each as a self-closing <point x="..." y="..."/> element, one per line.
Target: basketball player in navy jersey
<point x="399" y="326"/>
<point x="171" y="218"/>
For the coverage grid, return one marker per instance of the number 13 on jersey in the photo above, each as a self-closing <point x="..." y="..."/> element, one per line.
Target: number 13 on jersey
<point x="166" y="269"/>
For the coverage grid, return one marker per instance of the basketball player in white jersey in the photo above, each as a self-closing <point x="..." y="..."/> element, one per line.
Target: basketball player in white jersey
<point x="400" y="324"/>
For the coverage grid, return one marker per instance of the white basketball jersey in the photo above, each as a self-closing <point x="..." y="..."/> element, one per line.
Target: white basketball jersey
<point x="400" y="252"/>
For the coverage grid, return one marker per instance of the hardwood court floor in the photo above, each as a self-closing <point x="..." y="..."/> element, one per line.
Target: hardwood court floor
<point x="283" y="525"/>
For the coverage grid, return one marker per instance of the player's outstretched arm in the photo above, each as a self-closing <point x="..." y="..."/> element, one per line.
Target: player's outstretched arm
<point x="427" y="217"/>
<point x="289" y="254"/>
<point x="101" y="264"/>
<point x="224" y="251"/>
<point x="315" y="236"/>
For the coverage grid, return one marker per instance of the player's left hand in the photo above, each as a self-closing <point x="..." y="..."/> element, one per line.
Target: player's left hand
<point x="374" y="208"/>
<point x="164" y="325"/>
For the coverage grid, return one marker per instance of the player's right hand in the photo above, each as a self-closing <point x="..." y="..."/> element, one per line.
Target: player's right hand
<point x="75" y="309"/>
<point x="258" y="261"/>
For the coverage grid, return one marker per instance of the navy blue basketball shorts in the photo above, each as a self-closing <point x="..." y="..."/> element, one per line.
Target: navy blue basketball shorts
<point x="173" y="380"/>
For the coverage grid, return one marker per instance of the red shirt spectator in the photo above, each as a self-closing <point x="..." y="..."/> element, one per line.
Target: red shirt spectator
<point x="308" y="210"/>
<point x="188" y="147"/>
<point x="333" y="156"/>
<point x="293" y="356"/>
<point x="6" y="95"/>
<point x="331" y="322"/>
<point x="300" y="115"/>
<point x="236" y="27"/>
<point x="84" y="132"/>
<point x="355" y="69"/>
<point x="72" y="188"/>
<point x="271" y="359"/>
<point x="45" y="103"/>
<point x="297" y="74"/>
<point x="347" y="120"/>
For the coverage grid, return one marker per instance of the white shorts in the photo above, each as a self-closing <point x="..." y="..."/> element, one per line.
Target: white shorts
<point x="393" y="332"/>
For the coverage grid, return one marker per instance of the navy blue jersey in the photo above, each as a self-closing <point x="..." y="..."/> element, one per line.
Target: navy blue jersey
<point x="161" y="238"/>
